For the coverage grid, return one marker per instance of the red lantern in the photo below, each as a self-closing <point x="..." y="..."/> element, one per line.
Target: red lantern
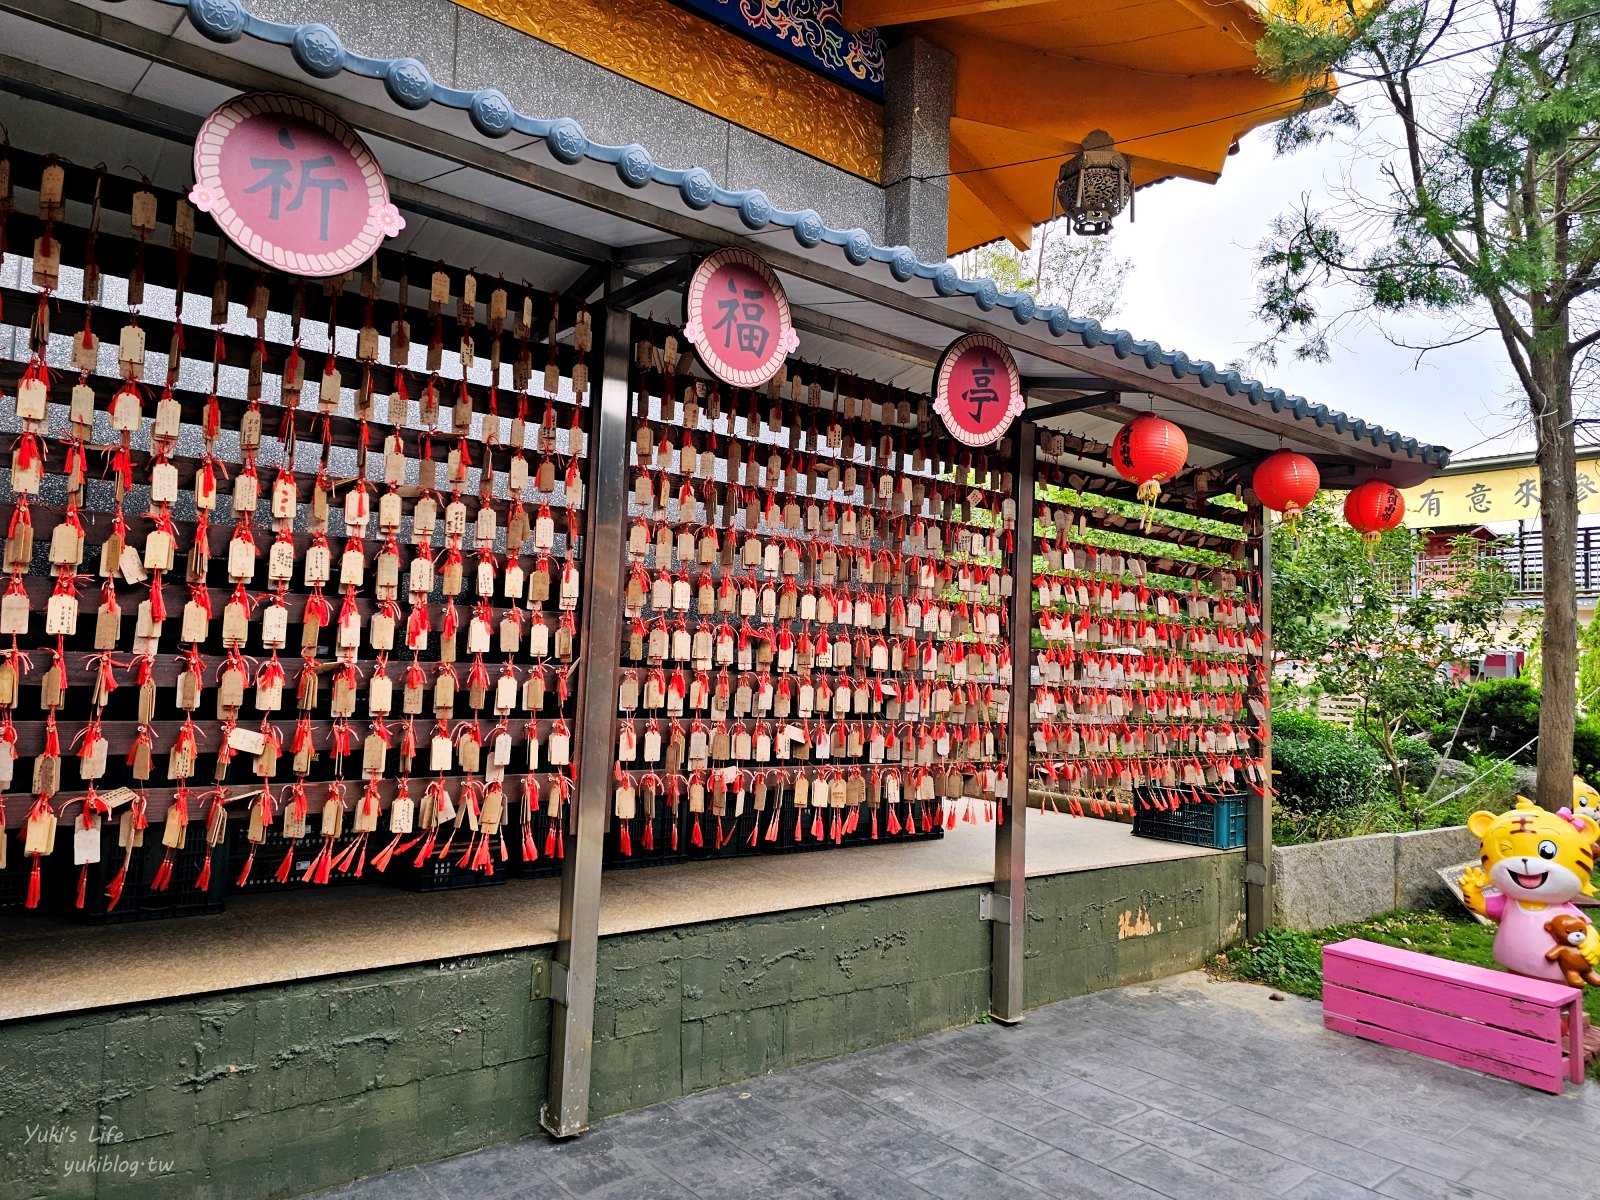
<point x="1373" y="508"/>
<point x="1149" y="451"/>
<point x="1286" y="482"/>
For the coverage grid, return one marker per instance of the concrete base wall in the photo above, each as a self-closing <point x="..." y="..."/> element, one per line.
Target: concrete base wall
<point x="284" y="1089"/>
<point x="1350" y="879"/>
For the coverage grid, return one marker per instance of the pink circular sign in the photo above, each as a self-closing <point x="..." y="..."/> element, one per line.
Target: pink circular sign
<point x="977" y="391"/>
<point x="292" y="185"/>
<point x="737" y="317"/>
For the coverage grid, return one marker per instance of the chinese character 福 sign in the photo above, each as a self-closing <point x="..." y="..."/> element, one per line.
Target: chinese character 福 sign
<point x="1468" y="497"/>
<point x="737" y="317"/>
<point x="976" y="389"/>
<point x="292" y="185"/>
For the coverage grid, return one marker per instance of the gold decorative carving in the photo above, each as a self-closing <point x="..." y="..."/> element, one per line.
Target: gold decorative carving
<point x="655" y="43"/>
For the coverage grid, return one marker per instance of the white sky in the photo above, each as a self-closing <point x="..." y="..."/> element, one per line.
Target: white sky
<point x="1192" y="288"/>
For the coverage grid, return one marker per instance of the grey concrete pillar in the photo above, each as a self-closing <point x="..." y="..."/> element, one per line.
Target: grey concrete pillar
<point x="918" y="86"/>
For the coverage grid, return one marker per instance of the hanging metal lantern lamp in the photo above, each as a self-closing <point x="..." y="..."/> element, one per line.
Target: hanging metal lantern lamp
<point x="1094" y="185"/>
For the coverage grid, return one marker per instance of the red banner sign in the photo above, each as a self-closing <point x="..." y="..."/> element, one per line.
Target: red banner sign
<point x="292" y="185"/>
<point x="737" y="317"/>
<point x="977" y="391"/>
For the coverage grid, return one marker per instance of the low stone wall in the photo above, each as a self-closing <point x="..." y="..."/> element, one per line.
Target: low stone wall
<point x="1349" y="879"/>
<point x="287" y="1088"/>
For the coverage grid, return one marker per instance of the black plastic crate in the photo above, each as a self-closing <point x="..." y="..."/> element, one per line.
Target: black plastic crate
<point x="270" y="854"/>
<point x="444" y="872"/>
<point x="906" y="828"/>
<point x="14" y="879"/>
<point x="547" y="850"/>
<point x="1216" y="820"/>
<point x="652" y="841"/>
<point x="139" y="900"/>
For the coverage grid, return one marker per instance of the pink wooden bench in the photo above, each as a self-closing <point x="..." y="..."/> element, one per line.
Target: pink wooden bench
<point x="1521" y="1029"/>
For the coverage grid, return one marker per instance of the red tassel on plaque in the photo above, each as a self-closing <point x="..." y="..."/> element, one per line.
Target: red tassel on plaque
<point x="244" y="875"/>
<point x="624" y="839"/>
<point x="696" y="838"/>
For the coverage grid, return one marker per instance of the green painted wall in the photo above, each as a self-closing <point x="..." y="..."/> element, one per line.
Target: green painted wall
<point x="284" y="1089"/>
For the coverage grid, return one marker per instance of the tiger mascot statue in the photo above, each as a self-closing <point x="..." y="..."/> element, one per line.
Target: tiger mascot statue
<point x="1534" y="864"/>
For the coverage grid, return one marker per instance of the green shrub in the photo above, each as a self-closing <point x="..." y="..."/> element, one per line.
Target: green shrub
<point x="1322" y="767"/>
<point x="1421" y="760"/>
<point x="1586" y="748"/>
<point x="1502" y="717"/>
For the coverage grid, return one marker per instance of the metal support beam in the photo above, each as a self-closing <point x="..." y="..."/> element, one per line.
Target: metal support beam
<point x="583" y="287"/>
<point x="566" y="1107"/>
<point x="1067" y="383"/>
<point x="1258" y="806"/>
<point x="659" y="251"/>
<point x="836" y="328"/>
<point x="1008" y="934"/>
<point x="623" y="296"/>
<point x="1061" y="408"/>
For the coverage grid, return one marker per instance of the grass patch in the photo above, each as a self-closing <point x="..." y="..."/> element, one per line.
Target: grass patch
<point x="1290" y="960"/>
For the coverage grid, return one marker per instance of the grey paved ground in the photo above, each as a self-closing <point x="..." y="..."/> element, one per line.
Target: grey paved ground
<point x="1185" y="1088"/>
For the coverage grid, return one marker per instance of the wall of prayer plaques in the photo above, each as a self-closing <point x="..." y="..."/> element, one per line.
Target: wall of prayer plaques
<point x="291" y="568"/>
<point x="1148" y="673"/>
<point x="816" y="647"/>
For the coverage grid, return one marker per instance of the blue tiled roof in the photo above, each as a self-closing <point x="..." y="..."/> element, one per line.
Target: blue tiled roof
<point x="320" y="53"/>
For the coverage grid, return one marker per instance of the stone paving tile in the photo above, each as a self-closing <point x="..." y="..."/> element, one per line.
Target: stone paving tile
<point x="591" y="1165"/>
<point x="1061" y="1174"/>
<point x="1177" y="1177"/>
<point x="1227" y="1156"/>
<point x="1437" y="1158"/>
<point x="994" y="1143"/>
<point x="1326" y="1187"/>
<point x="1349" y="1163"/>
<point x="968" y="1179"/>
<point x="487" y="1174"/>
<point x="1181" y="1089"/>
<point x="1409" y="1183"/>
<point x="856" y="1179"/>
<point x="707" y="1165"/>
<point x="1084" y="1137"/>
<point x="410" y="1183"/>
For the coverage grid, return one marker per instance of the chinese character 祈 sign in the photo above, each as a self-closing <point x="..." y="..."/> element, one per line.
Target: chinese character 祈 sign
<point x="976" y="389"/>
<point x="737" y="317"/>
<point x="292" y="185"/>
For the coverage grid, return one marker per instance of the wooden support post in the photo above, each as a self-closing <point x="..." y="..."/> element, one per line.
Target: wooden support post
<point x="1009" y="906"/>
<point x="1258" y="806"/>
<point x="566" y="1108"/>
